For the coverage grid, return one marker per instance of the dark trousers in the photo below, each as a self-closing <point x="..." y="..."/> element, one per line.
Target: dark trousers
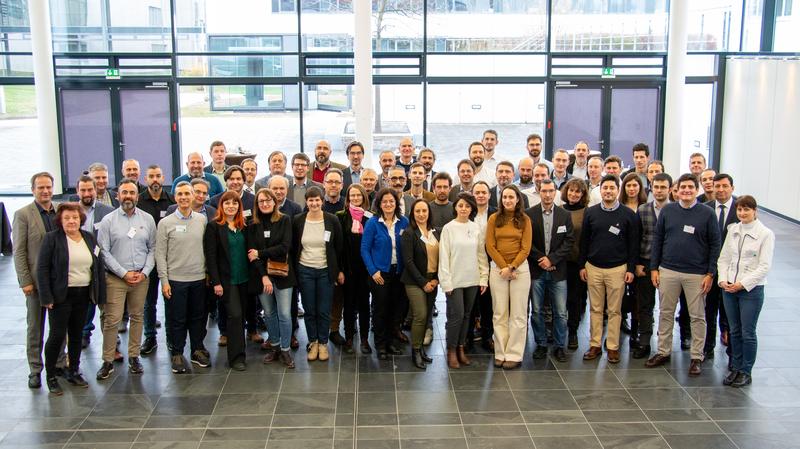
<point x="235" y="299"/>
<point x="684" y="320"/>
<point x="576" y="297"/>
<point x="88" y="327"/>
<point x="295" y="309"/>
<point x="66" y="321"/>
<point x="482" y="308"/>
<point x="714" y="307"/>
<point x="356" y="301"/>
<point x="630" y="305"/>
<point x="185" y="311"/>
<point x="646" y="301"/>
<point x="459" y="305"/>
<point x="150" y="305"/>
<point x="386" y="307"/>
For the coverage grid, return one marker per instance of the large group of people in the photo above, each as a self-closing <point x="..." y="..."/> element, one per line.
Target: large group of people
<point x="506" y="243"/>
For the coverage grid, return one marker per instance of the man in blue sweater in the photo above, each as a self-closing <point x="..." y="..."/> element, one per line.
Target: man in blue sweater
<point x="609" y="252"/>
<point x="686" y="246"/>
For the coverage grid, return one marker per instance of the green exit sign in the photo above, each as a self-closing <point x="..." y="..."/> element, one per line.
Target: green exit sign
<point x="112" y="74"/>
<point x="608" y="72"/>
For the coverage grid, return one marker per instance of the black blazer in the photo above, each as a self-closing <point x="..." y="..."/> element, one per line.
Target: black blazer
<point x="53" y="272"/>
<point x="333" y="247"/>
<point x="352" y="263"/>
<point x="729" y="220"/>
<point x="290" y="208"/>
<point x="218" y="255"/>
<point x="415" y="257"/>
<point x="560" y="242"/>
<point x="275" y="247"/>
<point x="493" y="198"/>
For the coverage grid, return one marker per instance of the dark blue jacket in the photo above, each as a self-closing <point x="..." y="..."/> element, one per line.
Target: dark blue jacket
<point x="376" y="245"/>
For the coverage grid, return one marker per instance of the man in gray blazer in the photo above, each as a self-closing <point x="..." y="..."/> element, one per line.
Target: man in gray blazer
<point x="28" y="230"/>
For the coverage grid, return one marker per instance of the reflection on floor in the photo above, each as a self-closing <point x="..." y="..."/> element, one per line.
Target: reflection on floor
<point x="357" y="401"/>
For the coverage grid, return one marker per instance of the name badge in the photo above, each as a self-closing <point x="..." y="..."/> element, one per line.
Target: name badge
<point x="326" y="236"/>
<point x="180" y="228"/>
<point x="247" y="213"/>
<point x="688" y="229"/>
<point x="614" y="230"/>
<point x="96" y="251"/>
<point x="561" y="229"/>
<point x="131" y="232"/>
<point x="163" y="213"/>
<point x="368" y="214"/>
<point x="267" y="234"/>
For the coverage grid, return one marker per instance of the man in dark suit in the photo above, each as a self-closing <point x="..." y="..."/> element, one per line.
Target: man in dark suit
<point x="279" y="186"/>
<point x="725" y="209"/>
<point x="552" y="242"/>
<point x="234" y="181"/>
<point x="300" y="181"/>
<point x="427" y="158"/>
<point x="505" y="176"/>
<point x="352" y="174"/>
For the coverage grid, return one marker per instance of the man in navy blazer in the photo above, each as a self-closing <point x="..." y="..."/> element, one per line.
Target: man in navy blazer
<point x="279" y="186"/>
<point x="234" y="182"/>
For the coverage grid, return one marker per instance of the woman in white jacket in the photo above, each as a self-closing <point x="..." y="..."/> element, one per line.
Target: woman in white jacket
<point x="743" y="264"/>
<point x="463" y="269"/>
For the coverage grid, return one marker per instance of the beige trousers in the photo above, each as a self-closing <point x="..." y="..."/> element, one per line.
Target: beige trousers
<point x="669" y="290"/>
<point x="510" y="313"/>
<point x="606" y="286"/>
<point x="117" y="292"/>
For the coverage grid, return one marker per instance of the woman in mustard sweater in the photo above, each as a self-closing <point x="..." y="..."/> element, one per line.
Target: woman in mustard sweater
<point x="508" y="242"/>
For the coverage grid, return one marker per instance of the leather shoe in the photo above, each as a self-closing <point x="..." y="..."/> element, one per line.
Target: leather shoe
<point x="294" y="344"/>
<point x="425" y="355"/>
<point x="540" y="352"/>
<point x="642" y="352"/>
<point x="336" y="338"/>
<point x="741" y="380"/>
<point x="695" y="369"/>
<point x="560" y="355"/>
<point x="35" y="381"/>
<point x="498" y="363"/>
<point x="508" y="365"/>
<point x="572" y="342"/>
<point x="657" y="360"/>
<point x="383" y="355"/>
<point x="593" y="353"/>
<point x="709" y="354"/>
<point x="613" y="356"/>
<point x="728" y="380"/>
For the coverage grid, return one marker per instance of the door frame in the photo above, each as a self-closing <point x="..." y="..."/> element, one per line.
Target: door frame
<point x="607" y="85"/>
<point x="114" y="88"/>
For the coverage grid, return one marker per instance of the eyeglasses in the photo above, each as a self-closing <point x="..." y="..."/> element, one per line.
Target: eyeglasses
<point x="397" y="178"/>
<point x="334" y="182"/>
<point x="266" y="201"/>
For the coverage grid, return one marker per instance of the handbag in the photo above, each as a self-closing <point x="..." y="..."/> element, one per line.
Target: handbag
<point x="277" y="269"/>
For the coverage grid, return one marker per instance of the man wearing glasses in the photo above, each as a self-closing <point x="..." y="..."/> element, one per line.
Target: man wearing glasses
<point x="355" y="154"/>
<point x="334" y="201"/>
<point x="300" y="181"/>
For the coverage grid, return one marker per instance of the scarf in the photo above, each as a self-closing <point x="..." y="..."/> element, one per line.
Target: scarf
<point x="357" y="213"/>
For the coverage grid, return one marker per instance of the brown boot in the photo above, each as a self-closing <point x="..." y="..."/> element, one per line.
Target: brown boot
<point x="462" y="356"/>
<point x="452" y="358"/>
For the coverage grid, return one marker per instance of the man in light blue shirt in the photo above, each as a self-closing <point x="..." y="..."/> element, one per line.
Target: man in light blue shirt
<point x="127" y="238"/>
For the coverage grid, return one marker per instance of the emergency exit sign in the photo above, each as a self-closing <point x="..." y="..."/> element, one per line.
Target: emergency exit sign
<point x="608" y="72"/>
<point x="112" y="74"/>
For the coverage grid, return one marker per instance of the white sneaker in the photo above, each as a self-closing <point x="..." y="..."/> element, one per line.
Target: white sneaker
<point x="428" y="337"/>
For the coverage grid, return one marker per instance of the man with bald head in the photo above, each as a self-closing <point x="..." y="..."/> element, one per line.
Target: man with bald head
<point x="279" y="186"/>
<point x="194" y="167"/>
<point x="132" y="170"/>
<point x="322" y="161"/>
<point x="525" y="172"/>
<point x="406" y="154"/>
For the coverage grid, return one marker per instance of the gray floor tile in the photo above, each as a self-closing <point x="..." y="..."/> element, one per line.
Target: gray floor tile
<point x="438" y="402"/>
<point x="302" y="403"/>
<point x="486" y="401"/>
<point x="699" y="442"/>
<point x="185" y="405"/>
<point x="246" y="404"/>
<point x="500" y="443"/>
<point x="561" y="442"/>
<point x="554" y="430"/>
<point x="604" y="400"/>
<point x="632" y="442"/>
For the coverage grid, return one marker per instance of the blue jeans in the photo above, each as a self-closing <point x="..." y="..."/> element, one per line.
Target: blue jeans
<point x="89" y="326"/>
<point x="316" y="292"/>
<point x="743" y="308"/>
<point x="558" y="296"/>
<point x="278" y="312"/>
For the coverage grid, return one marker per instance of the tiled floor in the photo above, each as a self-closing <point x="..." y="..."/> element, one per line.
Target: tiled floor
<point x="360" y="402"/>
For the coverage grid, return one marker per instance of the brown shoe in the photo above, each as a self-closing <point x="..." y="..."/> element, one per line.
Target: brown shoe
<point x="223" y="341"/>
<point x="694" y="368"/>
<point x="593" y="353"/>
<point x="511" y="365"/>
<point x="656" y="360"/>
<point x="462" y="356"/>
<point x="286" y="359"/>
<point x="267" y="346"/>
<point x="255" y="337"/>
<point x="294" y="343"/>
<point x="498" y="363"/>
<point x="613" y="356"/>
<point x="272" y="355"/>
<point x="452" y="359"/>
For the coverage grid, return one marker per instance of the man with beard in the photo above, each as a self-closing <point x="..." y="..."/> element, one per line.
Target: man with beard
<point x="442" y="211"/>
<point x="322" y="161"/>
<point x="132" y="170"/>
<point x="300" y="182"/>
<point x="427" y="158"/>
<point x="95" y="211"/>
<point x="466" y="176"/>
<point x="250" y="168"/>
<point x="234" y="181"/>
<point x="155" y="201"/>
<point x="534" y="145"/>
<point x="578" y="168"/>
<point x="525" y="171"/>
<point x="352" y="174"/>
<point x="333" y="201"/>
<point x="489" y="141"/>
<point x="194" y="166"/>
<point x="477" y="153"/>
<point x="398" y="179"/>
<point x="387" y="161"/>
<point x="504" y="174"/>
<point x="127" y="237"/>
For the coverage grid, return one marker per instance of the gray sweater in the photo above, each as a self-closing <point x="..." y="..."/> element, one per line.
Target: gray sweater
<point x="179" y="248"/>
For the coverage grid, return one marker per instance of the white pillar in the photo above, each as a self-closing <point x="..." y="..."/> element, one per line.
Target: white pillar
<point x="44" y="79"/>
<point x="676" y="82"/>
<point x="362" y="48"/>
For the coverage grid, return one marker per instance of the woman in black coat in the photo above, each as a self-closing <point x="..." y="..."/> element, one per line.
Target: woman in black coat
<point x="70" y="273"/>
<point x="356" y="291"/>
<point x="269" y="240"/>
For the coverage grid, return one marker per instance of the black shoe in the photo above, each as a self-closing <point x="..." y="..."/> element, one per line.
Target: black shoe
<point x="741" y="380"/>
<point x="728" y="380"/>
<point x="416" y="357"/>
<point x="53" y="386"/>
<point x="394" y="350"/>
<point x="239" y="365"/>
<point x="560" y="355"/>
<point x="383" y="355"/>
<point x="572" y="341"/>
<point x="709" y="354"/>
<point x="642" y="352"/>
<point x="135" y="366"/>
<point x="633" y="343"/>
<point x="59" y="372"/>
<point x="178" y="364"/>
<point x="336" y="338"/>
<point x="75" y="378"/>
<point x="686" y="344"/>
<point x="540" y="352"/>
<point x="105" y="371"/>
<point x="200" y="359"/>
<point x="149" y="345"/>
<point x="365" y="348"/>
<point x="34" y="381"/>
<point x="85" y="340"/>
<point x="425" y="355"/>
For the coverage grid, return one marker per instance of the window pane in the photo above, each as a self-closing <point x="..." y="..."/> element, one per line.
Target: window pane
<point x="111" y="26"/>
<point x="328" y="115"/>
<point x="211" y="113"/>
<point x="612" y="25"/>
<point x="696" y="132"/>
<point x="235" y="65"/>
<point x="458" y="115"/>
<point x="787" y="26"/>
<point x="235" y="26"/>
<point x="751" y="40"/>
<point x="397" y="25"/>
<point x="19" y="138"/>
<point x="715" y="26"/>
<point x="486" y="65"/>
<point x="499" y="25"/>
<point x="327" y="25"/>
<point x="15" y="26"/>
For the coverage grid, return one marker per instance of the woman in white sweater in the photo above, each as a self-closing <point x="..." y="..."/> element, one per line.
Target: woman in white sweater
<point x="743" y="265"/>
<point x="463" y="270"/>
